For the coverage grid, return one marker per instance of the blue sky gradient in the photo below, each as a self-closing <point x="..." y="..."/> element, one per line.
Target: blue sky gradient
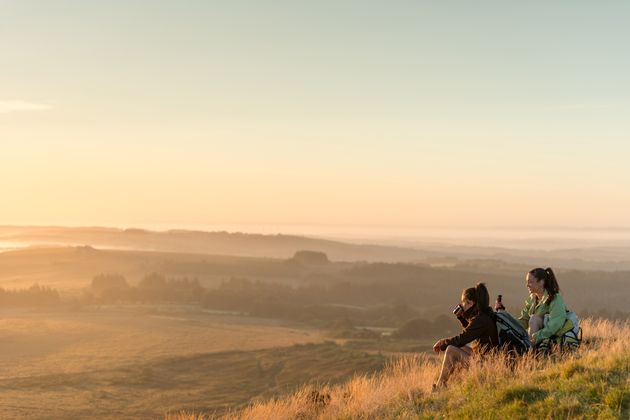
<point x="446" y="113"/>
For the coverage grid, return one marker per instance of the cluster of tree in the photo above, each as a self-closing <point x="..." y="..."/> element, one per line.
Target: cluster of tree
<point x="313" y="304"/>
<point x="379" y="295"/>
<point x="153" y="288"/>
<point x="359" y="283"/>
<point x="311" y="257"/>
<point x="33" y="296"/>
<point x="344" y="328"/>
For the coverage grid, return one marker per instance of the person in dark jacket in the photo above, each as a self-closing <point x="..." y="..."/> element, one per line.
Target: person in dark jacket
<point x="479" y="327"/>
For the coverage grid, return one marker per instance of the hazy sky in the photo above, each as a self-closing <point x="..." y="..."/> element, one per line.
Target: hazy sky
<point x="401" y="113"/>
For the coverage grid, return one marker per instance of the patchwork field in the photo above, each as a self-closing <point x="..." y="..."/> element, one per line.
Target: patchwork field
<point x="143" y="361"/>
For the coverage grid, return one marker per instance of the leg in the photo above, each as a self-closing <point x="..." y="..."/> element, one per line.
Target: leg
<point x="536" y="322"/>
<point x="452" y="356"/>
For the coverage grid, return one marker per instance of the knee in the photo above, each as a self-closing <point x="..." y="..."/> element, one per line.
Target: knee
<point x="451" y="351"/>
<point x="536" y="322"/>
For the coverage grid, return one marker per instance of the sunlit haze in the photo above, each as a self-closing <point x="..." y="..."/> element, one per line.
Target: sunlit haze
<point x="280" y="209"/>
<point x="384" y="115"/>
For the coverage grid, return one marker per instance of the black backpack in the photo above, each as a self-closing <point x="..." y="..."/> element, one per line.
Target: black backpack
<point x="512" y="335"/>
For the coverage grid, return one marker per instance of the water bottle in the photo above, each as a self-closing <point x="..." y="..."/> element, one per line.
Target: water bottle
<point x="499" y="305"/>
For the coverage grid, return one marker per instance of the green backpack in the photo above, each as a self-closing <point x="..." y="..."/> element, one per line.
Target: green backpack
<point x="568" y="338"/>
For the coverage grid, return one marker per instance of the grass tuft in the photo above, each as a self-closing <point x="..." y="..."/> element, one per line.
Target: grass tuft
<point x="526" y="393"/>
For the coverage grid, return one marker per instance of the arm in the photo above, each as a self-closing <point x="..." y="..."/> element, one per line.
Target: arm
<point x="557" y="318"/>
<point x="524" y="316"/>
<point x="439" y="345"/>
<point x="473" y="331"/>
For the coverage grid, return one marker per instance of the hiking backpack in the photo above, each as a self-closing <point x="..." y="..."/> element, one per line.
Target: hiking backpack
<point x="568" y="341"/>
<point x="512" y="335"/>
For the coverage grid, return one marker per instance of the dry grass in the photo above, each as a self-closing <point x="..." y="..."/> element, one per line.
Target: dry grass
<point x="591" y="382"/>
<point x="135" y="362"/>
<point x="43" y="343"/>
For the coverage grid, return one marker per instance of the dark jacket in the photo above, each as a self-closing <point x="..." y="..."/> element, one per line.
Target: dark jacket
<point x="477" y="326"/>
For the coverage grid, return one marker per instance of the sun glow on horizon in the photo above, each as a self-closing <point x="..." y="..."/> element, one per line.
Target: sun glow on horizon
<point x="156" y="113"/>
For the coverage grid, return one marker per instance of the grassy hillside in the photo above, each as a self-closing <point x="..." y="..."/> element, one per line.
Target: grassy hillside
<point x="595" y="382"/>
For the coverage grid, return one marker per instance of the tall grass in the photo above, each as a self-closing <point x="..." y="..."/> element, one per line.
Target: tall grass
<point x="592" y="382"/>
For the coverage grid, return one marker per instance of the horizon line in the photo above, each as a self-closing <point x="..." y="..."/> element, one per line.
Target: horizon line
<point x="209" y="227"/>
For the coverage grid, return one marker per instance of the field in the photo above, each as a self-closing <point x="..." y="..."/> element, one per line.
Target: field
<point x="140" y="362"/>
<point x="143" y="361"/>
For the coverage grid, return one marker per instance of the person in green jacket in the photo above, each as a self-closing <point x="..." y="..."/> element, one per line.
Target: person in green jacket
<point x="545" y="313"/>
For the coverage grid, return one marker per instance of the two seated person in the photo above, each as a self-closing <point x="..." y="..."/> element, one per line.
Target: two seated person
<point x="544" y="317"/>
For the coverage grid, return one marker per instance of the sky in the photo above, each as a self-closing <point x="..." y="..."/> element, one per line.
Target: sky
<point x="435" y="114"/>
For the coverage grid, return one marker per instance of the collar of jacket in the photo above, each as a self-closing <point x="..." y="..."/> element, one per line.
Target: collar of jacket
<point x="544" y="298"/>
<point x="471" y="312"/>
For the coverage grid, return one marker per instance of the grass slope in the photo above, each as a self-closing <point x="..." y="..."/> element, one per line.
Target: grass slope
<point x="211" y="382"/>
<point x="593" y="383"/>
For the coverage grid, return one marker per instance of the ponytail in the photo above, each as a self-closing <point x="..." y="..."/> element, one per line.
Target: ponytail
<point x="550" y="281"/>
<point x="483" y="298"/>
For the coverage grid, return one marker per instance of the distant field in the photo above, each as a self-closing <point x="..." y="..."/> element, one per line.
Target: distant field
<point x="606" y="250"/>
<point x="37" y="343"/>
<point x="134" y="361"/>
<point x="71" y="269"/>
<point x="217" y="243"/>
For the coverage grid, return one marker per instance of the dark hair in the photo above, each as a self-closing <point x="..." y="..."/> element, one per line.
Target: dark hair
<point x="478" y="294"/>
<point x="550" y="282"/>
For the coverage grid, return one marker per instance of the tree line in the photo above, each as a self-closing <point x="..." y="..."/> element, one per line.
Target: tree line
<point x="312" y="304"/>
<point x="33" y="296"/>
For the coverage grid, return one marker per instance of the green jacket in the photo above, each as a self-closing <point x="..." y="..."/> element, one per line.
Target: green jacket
<point x="556" y="323"/>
